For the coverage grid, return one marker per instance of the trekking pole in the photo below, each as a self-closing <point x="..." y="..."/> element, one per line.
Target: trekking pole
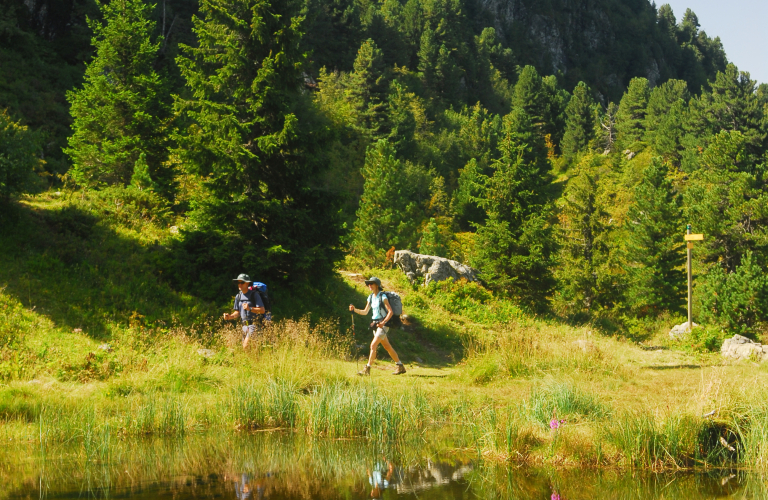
<point x="354" y="341"/>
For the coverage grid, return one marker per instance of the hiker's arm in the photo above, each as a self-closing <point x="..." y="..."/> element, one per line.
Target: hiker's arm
<point x="361" y="311"/>
<point x="257" y="310"/>
<point x="234" y="315"/>
<point x="389" y="314"/>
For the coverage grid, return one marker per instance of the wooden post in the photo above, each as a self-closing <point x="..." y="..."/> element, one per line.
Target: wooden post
<point x="690" y="238"/>
<point x="690" y="277"/>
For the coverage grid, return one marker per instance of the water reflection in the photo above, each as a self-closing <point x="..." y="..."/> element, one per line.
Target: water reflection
<point x="286" y="467"/>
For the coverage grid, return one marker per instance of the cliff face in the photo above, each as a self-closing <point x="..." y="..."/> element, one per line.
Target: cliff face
<point x="604" y="42"/>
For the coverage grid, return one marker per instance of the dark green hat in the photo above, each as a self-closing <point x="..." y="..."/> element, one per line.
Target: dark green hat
<point x="373" y="281"/>
<point x="243" y="277"/>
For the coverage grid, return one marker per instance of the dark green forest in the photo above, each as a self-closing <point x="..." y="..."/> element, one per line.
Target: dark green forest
<point x="559" y="147"/>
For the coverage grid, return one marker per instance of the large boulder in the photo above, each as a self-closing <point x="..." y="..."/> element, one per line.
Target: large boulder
<point x="739" y="347"/>
<point x="432" y="268"/>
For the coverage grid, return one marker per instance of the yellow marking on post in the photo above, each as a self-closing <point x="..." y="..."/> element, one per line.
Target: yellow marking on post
<point x="694" y="237"/>
<point x="689" y="244"/>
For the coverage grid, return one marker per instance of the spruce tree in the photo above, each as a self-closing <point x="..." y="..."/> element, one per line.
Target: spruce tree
<point x="392" y="206"/>
<point x="585" y="273"/>
<point x="256" y="144"/>
<point x="515" y="244"/>
<point x="367" y="90"/>
<point x="654" y="245"/>
<point x="667" y="107"/>
<point x="630" y="118"/>
<point x="122" y="111"/>
<point x="579" y="125"/>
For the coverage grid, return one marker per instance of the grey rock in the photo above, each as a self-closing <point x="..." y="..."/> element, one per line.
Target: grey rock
<point x="432" y="268"/>
<point x="105" y="347"/>
<point x="738" y="347"/>
<point x="680" y="330"/>
<point x="206" y="353"/>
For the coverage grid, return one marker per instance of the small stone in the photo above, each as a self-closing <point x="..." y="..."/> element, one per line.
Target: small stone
<point x="77" y="330"/>
<point x="174" y="230"/>
<point x="206" y="353"/>
<point x="105" y="347"/>
<point x="678" y="331"/>
<point x="418" y="359"/>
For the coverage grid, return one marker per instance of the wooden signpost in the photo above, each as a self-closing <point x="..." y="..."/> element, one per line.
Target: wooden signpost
<point x="690" y="238"/>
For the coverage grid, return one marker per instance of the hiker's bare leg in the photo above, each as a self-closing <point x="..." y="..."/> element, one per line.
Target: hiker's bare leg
<point x="390" y="350"/>
<point x="374" y="346"/>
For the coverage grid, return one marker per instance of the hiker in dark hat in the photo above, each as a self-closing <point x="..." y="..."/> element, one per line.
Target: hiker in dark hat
<point x="382" y="313"/>
<point x="248" y="307"/>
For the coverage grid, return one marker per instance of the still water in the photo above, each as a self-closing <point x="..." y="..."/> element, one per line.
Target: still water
<point x="284" y="466"/>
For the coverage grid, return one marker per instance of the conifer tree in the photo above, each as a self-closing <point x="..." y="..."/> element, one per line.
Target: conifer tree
<point x="122" y="110"/>
<point x="392" y="206"/>
<point x="579" y="125"/>
<point x="368" y="85"/>
<point x="727" y="198"/>
<point x="731" y="105"/>
<point x="630" y="118"/>
<point x="256" y="143"/>
<point x="584" y="273"/>
<point x="516" y="243"/>
<point x="667" y="107"/>
<point x="655" y="245"/>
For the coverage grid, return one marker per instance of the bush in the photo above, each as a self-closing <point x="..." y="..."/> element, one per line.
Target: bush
<point x="18" y="156"/>
<point x="738" y="301"/>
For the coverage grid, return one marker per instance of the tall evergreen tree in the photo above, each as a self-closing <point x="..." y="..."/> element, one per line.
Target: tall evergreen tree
<point x="515" y="244"/>
<point x="654" y="245"/>
<point x="122" y="111"/>
<point x="584" y="273"/>
<point x="256" y="143"/>
<point x="667" y="107"/>
<point x="392" y="206"/>
<point x="579" y="125"/>
<point x="19" y="151"/>
<point x="630" y="118"/>
<point x="368" y="85"/>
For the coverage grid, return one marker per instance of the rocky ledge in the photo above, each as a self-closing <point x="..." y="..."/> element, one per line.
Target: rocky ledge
<point x="739" y="347"/>
<point x="432" y="268"/>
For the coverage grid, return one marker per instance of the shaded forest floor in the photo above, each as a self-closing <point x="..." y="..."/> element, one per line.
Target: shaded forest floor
<point x="95" y="343"/>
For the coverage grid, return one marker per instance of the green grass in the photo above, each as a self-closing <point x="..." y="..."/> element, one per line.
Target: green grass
<point x="478" y="365"/>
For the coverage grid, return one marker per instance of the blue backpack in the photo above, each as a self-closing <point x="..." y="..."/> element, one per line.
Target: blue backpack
<point x="261" y="289"/>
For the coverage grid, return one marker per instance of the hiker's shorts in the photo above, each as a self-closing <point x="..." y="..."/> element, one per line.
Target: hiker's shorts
<point x="380" y="333"/>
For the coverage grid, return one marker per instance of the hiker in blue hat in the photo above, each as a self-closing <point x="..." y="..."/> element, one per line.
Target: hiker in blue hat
<point x="382" y="313"/>
<point x="248" y="307"/>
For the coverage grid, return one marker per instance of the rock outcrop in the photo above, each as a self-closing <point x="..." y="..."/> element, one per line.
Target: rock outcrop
<point x="678" y="331"/>
<point x="432" y="268"/>
<point x="739" y="347"/>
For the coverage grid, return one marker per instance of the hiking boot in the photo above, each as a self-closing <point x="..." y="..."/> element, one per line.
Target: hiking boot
<point x="365" y="371"/>
<point x="400" y="369"/>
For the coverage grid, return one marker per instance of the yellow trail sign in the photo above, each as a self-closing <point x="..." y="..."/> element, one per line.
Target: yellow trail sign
<point x="694" y="237"/>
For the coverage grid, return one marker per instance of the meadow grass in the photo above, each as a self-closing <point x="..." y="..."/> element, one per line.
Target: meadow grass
<point x="477" y="364"/>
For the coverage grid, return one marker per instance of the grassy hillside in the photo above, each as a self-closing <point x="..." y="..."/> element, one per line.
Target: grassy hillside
<point x="81" y="271"/>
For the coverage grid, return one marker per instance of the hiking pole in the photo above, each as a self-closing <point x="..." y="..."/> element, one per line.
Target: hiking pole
<point x="354" y="341"/>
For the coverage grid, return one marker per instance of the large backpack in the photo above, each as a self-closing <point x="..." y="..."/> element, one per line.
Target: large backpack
<point x="261" y="289"/>
<point x="396" y="302"/>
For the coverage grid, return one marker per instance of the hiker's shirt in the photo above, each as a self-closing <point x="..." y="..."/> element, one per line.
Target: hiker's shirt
<point x="250" y="299"/>
<point x="378" y="306"/>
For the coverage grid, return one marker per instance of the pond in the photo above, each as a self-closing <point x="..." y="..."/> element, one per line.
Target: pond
<point x="283" y="466"/>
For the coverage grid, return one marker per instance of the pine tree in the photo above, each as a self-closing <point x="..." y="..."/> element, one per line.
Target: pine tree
<point x="392" y="206"/>
<point x="630" y="117"/>
<point x="516" y="243"/>
<point x="367" y="91"/>
<point x="732" y="105"/>
<point x="585" y="273"/>
<point x="727" y="198"/>
<point x="580" y="125"/>
<point x="123" y="108"/>
<point x="654" y="245"/>
<point x="256" y="143"/>
<point x="667" y="107"/>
